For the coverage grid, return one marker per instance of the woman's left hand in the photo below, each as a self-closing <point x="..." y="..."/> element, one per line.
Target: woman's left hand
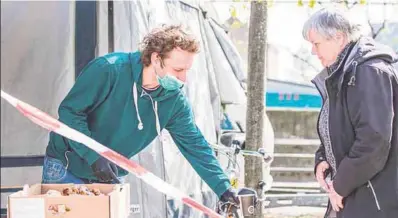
<point x="335" y="199"/>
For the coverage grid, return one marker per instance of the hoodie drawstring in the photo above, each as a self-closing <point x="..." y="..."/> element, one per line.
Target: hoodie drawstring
<point x="135" y="96"/>
<point x="154" y="107"/>
<point x="352" y="79"/>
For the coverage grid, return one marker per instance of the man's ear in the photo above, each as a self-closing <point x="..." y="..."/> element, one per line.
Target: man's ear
<point x="155" y="58"/>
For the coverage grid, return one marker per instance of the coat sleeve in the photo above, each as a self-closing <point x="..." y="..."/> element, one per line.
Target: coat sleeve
<point x="370" y="105"/>
<point x="196" y="149"/>
<point x="319" y="156"/>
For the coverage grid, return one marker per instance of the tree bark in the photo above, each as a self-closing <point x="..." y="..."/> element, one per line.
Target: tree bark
<point x="256" y="96"/>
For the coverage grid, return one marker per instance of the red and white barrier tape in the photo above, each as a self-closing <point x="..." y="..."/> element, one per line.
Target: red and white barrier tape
<point x="51" y="124"/>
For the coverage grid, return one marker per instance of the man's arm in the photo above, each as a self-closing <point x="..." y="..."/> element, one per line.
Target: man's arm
<point x="196" y="150"/>
<point x="90" y="89"/>
<point x="370" y="104"/>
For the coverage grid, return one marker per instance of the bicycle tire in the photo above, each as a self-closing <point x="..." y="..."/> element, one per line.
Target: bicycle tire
<point x="235" y="214"/>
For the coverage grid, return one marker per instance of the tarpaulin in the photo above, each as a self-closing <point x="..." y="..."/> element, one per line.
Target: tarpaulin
<point x="37" y="64"/>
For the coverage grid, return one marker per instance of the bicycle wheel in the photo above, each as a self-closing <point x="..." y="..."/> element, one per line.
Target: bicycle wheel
<point x="235" y="214"/>
<point x="228" y="211"/>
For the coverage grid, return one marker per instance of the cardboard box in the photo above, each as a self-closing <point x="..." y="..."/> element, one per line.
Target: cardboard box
<point x="32" y="202"/>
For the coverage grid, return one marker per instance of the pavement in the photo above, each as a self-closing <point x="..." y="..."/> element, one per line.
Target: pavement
<point x="295" y="212"/>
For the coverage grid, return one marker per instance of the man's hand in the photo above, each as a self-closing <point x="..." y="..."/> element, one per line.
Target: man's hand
<point x="230" y="196"/>
<point x="335" y="199"/>
<point x="105" y="171"/>
<point x="320" y="175"/>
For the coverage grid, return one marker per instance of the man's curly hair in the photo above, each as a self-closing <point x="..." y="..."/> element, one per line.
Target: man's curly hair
<point x="164" y="39"/>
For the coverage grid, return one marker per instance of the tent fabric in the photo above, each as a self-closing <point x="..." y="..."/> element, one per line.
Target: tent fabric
<point x="37" y="66"/>
<point x="230" y="51"/>
<point x="230" y="89"/>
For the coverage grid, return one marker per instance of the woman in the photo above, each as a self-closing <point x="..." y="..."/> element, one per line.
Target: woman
<point x="358" y="122"/>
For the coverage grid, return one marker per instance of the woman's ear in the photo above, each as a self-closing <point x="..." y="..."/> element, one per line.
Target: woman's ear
<point x="341" y="39"/>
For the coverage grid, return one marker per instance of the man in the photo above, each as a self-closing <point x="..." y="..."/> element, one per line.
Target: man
<point x="124" y="100"/>
<point x="358" y="122"/>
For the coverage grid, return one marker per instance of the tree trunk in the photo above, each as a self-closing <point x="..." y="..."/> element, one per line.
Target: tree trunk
<point x="256" y="95"/>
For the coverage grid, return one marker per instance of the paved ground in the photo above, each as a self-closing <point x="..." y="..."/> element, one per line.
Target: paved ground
<point x="295" y="212"/>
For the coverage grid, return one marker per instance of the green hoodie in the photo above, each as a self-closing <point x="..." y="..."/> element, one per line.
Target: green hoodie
<point x="108" y="104"/>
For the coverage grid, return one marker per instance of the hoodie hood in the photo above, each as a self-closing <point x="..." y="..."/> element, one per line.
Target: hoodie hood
<point x="159" y="94"/>
<point x="366" y="49"/>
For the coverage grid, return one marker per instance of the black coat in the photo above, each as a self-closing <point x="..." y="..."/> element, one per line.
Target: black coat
<point x="363" y="128"/>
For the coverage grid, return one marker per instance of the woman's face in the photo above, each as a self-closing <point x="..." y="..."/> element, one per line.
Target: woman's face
<point x="327" y="50"/>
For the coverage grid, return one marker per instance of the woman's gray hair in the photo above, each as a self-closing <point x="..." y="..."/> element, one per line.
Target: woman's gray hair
<point x="329" y="21"/>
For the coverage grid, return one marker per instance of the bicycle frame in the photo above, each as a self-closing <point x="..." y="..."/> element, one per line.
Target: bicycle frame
<point x="233" y="170"/>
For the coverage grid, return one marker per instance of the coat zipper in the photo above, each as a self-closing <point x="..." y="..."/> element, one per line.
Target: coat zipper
<point x="330" y="137"/>
<point x="374" y="195"/>
<point x="319" y="115"/>
<point x="320" y="138"/>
